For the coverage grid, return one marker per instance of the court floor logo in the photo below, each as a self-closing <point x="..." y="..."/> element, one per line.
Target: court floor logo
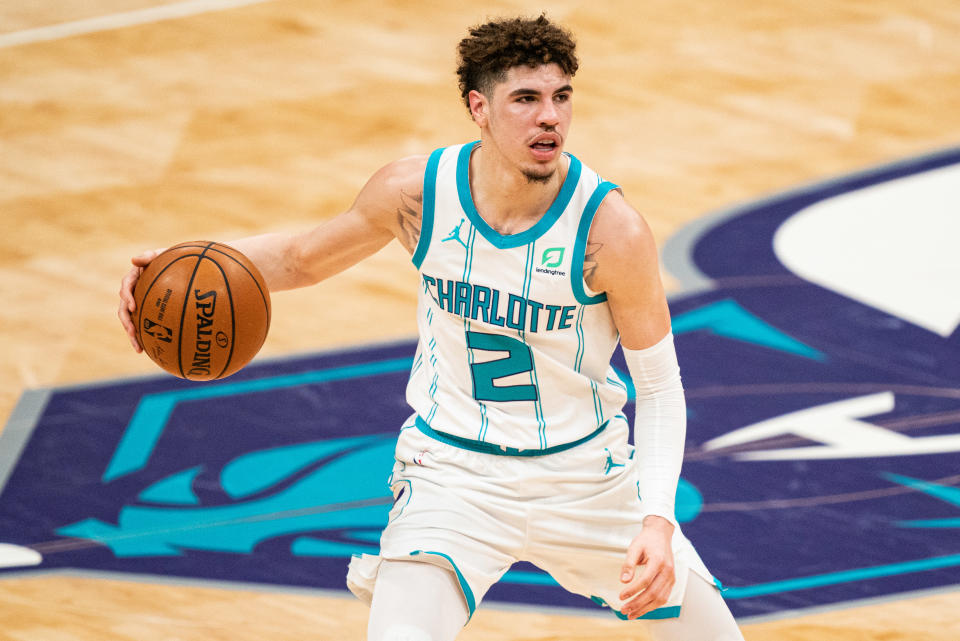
<point x="823" y="424"/>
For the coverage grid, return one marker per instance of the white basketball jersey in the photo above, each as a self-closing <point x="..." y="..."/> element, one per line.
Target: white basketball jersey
<point x="514" y="352"/>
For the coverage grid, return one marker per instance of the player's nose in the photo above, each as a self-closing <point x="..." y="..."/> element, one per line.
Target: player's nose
<point x="548" y="115"/>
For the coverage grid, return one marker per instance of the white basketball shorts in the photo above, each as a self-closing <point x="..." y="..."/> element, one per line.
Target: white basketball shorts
<point x="572" y="513"/>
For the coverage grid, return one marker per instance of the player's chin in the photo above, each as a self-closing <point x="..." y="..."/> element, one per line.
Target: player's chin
<point x="540" y="173"/>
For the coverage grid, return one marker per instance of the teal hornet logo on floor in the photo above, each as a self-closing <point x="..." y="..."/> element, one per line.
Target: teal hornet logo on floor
<point x="339" y="496"/>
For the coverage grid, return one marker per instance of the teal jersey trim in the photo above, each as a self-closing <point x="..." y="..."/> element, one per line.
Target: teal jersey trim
<point x="578" y="363"/>
<point x="534" y="380"/>
<point x="663" y="613"/>
<point x="409" y="491"/>
<point x="429" y="202"/>
<point x="513" y="240"/>
<point x="467" y="324"/>
<point x="671" y="612"/>
<point x="578" y="358"/>
<point x="501" y="450"/>
<point x="464" y="586"/>
<point x="580" y="246"/>
<point x="597" y="403"/>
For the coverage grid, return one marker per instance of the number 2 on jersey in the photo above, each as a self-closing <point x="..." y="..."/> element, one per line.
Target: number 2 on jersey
<point x="517" y="361"/>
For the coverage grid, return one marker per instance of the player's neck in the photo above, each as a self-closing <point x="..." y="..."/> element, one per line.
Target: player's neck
<point x="505" y="198"/>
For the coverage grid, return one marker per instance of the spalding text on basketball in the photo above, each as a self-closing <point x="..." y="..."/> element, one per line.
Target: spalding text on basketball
<point x="206" y="304"/>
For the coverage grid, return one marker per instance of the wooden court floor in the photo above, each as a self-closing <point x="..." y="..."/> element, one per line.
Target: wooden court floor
<point x="125" y="129"/>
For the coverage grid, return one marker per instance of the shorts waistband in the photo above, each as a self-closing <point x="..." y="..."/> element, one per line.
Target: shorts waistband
<point x="501" y="450"/>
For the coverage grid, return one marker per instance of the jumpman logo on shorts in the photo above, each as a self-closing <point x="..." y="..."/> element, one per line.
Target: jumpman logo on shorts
<point x="455" y="234"/>
<point x="610" y="464"/>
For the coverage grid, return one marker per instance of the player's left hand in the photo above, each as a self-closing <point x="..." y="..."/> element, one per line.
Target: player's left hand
<point x="128" y="304"/>
<point x="649" y="588"/>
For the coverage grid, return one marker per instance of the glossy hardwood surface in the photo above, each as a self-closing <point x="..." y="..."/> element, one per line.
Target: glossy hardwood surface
<point x="271" y="116"/>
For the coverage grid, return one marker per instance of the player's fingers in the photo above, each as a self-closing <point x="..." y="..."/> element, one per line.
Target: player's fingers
<point x="146" y="257"/>
<point x="654" y="563"/>
<point x="655" y="596"/>
<point x="135" y="343"/>
<point x="642" y="581"/>
<point x="634" y="555"/>
<point x="124" y="315"/>
<point x="128" y="305"/>
<point x="656" y="593"/>
<point x="132" y="335"/>
<point x="128" y="326"/>
<point x="127" y="284"/>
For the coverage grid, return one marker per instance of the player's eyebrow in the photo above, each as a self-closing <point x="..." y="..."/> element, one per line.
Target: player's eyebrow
<point x="525" y="91"/>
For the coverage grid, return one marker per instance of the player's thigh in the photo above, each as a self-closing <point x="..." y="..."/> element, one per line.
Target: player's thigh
<point x="583" y="543"/>
<point x="704" y="616"/>
<point x="416" y="601"/>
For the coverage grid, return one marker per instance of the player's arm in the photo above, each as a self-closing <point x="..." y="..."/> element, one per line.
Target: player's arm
<point x="388" y="206"/>
<point x="621" y="260"/>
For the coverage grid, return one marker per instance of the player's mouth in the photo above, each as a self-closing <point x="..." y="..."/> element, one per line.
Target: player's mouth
<point x="545" y="147"/>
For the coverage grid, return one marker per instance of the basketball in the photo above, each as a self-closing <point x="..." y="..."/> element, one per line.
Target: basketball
<point x="203" y="310"/>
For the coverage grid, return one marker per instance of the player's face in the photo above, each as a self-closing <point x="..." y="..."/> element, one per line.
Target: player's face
<point x="527" y="119"/>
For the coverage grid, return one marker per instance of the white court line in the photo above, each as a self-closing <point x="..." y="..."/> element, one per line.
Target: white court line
<point x="119" y="20"/>
<point x="15" y="556"/>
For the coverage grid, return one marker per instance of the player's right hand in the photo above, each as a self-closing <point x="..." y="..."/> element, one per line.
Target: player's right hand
<point x="648" y="570"/>
<point x="128" y="305"/>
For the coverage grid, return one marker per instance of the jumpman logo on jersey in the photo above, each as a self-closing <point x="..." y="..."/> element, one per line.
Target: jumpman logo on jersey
<point x="455" y="234"/>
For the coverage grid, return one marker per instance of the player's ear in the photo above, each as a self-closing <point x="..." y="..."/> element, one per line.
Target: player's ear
<point x="479" y="107"/>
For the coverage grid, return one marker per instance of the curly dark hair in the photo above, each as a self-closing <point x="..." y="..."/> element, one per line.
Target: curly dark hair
<point x="497" y="46"/>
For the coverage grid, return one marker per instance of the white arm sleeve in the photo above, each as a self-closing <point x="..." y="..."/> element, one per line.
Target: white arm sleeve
<point x="660" y="424"/>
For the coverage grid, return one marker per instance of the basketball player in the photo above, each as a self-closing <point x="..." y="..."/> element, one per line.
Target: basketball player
<point x="531" y="269"/>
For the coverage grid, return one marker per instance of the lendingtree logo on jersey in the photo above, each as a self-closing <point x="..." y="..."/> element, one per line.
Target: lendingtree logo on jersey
<point x="550" y="259"/>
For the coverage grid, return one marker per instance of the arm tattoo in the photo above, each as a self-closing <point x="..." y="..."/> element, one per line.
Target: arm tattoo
<point x="590" y="263"/>
<point x="409" y="217"/>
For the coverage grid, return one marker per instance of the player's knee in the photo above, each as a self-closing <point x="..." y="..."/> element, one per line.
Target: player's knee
<point x="404" y="632"/>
